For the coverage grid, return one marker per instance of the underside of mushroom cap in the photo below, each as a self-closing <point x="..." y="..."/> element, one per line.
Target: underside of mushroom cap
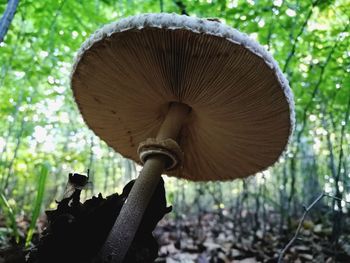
<point x="127" y="73"/>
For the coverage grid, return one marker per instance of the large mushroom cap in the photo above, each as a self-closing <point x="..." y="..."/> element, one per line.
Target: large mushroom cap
<point x="127" y="73"/>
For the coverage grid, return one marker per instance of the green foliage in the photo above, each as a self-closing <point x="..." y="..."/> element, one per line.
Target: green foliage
<point x="10" y="215"/>
<point x="42" y="176"/>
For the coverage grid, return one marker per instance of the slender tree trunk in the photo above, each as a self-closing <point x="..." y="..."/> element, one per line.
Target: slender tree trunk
<point x="293" y="190"/>
<point x="235" y="212"/>
<point x="338" y="215"/>
<point x="181" y="6"/>
<point x="216" y="195"/>
<point x="7" y="17"/>
<point x="53" y="193"/>
<point x="114" y="174"/>
<point x="106" y="176"/>
<point x="256" y="226"/>
<point x="264" y="214"/>
<point x="90" y="165"/>
<point x="244" y="200"/>
<point x="11" y="126"/>
<point x="197" y="202"/>
<point x="284" y="203"/>
<point x="161" y="6"/>
<point x="13" y="159"/>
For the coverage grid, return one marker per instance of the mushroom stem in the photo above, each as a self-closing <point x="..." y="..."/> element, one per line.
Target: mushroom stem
<point x="172" y="124"/>
<point x="127" y="223"/>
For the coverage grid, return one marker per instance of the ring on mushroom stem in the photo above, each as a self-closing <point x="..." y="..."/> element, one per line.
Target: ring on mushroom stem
<point x="167" y="147"/>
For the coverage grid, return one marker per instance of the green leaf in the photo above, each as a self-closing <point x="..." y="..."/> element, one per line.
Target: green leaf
<point x="44" y="170"/>
<point x="4" y="204"/>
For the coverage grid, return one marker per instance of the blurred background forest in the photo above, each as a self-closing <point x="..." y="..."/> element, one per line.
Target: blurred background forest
<point x="43" y="137"/>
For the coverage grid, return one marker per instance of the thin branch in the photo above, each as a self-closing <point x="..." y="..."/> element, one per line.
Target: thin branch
<point x="336" y="198"/>
<point x="290" y="243"/>
<point x="181" y="6"/>
<point x="271" y="25"/>
<point x="7" y="18"/>
<point x="52" y="27"/>
<point x="296" y="39"/>
<point x="297" y="232"/>
<point x="342" y="134"/>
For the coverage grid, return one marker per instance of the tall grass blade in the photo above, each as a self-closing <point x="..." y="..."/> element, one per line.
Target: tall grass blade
<point x="10" y="215"/>
<point x="44" y="171"/>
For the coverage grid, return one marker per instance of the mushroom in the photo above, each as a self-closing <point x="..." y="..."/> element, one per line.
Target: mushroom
<point x="184" y="96"/>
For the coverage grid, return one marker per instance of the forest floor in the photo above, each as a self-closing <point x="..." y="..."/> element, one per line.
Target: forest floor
<point x="206" y="237"/>
<point x="212" y="238"/>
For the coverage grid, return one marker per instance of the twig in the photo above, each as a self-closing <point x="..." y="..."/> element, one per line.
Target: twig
<point x="307" y="209"/>
<point x="290" y="243"/>
<point x="336" y="198"/>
